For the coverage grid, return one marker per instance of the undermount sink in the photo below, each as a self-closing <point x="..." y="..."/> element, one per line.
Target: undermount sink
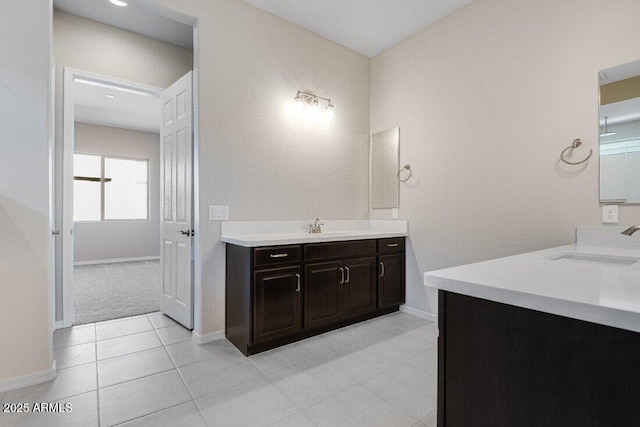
<point x="595" y="258"/>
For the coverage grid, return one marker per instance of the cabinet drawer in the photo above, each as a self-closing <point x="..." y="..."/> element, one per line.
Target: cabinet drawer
<point x="331" y="250"/>
<point x="391" y="246"/>
<point x="273" y="255"/>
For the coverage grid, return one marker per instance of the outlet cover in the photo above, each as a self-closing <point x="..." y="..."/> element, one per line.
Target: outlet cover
<point x="394" y="213"/>
<point x="218" y="213"/>
<point x="610" y="214"/>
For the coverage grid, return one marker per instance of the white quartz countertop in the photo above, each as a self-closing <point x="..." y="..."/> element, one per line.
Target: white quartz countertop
<point x="272" y="233"/>
<point x="596" y="280"/>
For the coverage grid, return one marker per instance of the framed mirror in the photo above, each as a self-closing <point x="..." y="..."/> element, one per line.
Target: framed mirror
<point x="620" y="134"/>
<point x="385" y="157"/>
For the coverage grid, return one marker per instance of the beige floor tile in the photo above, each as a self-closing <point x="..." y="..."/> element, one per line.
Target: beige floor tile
<point x="75" y="335"/>
<point x="356" y="407"/>
<point x="253" y="403"/>
<point x="74" y="355"/>
<point x="173" y="334"/>
<point x="184" y="415"/>
<point x="144" y="396"/>
<point x="187" y="352"/>
<point x="68" y="382"/>
<point x="84" y="413"/>
<point x="309" y="382"/>
<point x="217" y="373"/>
<point x="132" y="366"/>
<point x="407" y="388"/>
<point x="127" y="344"/>
<point x="123" y="327"/>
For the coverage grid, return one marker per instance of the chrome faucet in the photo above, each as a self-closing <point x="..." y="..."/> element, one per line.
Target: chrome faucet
<point x="316" y="227"/>
<point x="629" y="231"/>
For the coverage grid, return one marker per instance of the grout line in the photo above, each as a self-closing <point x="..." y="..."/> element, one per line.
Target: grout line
<point x="127" y="354"/>
<point x="154" y="412"/>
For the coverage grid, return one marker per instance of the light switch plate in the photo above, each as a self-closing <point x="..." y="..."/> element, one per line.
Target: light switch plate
<point x="394" y="213"/>
<point x="610" y="214"/>
<point x="218" y="213"/>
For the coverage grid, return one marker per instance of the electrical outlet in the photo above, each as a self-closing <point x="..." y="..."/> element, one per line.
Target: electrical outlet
<point x="218" y="213"/>
<point x="610" y="214"/>
<point x="394" y="213"/>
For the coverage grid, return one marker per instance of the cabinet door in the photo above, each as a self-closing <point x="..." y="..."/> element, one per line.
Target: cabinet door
<point x="359" y="286"/>
<point x="390" y="280"/>
<point x="322" y="293"/>
<point x="276" y="303"/>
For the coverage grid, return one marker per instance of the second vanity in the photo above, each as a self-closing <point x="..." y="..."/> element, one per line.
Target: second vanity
<point x="549" y="338"/>
<point x="284" y="284"/>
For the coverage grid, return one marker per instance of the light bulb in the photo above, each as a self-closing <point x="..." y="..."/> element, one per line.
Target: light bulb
<point x="315" y="108"/>
<point x="330" y="114"/>
<point x="119" y="3"/>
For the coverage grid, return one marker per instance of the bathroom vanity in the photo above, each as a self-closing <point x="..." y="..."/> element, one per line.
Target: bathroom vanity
<point x="545" y="338"/>
<point x="283" y="286"/>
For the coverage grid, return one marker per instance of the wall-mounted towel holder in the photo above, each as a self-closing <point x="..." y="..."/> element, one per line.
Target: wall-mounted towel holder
<point x="405" y="168"/>
<point x="576" y="143"/>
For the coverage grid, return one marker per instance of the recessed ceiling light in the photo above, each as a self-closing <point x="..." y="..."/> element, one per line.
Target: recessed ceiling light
<point x="119" y="3"/>
<point x="110" y="96"/>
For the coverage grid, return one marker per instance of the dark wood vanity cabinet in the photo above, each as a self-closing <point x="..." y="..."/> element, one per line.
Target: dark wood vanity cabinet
<point x="280" y="294"/>
<point x="276" y="304"/>
<point x="391" y="270"/>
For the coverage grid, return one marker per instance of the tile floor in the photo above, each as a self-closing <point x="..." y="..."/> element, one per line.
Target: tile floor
<point x="146" y="371"/>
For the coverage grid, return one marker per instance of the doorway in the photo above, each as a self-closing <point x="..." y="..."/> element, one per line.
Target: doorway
<point x="116" y="199"/>
<point x="115" y="191"/>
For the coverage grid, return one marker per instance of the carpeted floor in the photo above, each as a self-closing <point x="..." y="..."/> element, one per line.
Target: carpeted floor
<point x="110" y="291"/>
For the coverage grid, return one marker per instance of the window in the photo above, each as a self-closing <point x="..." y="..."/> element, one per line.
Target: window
<point x="110" y="188"/>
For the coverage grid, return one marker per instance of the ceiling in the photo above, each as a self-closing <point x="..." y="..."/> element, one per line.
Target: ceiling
<point x="366" y="26"/>
<point x="127" y="110"/>
<point x="137" y="17"/>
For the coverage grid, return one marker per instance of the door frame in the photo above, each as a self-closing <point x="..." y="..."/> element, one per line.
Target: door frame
<point x="70" y="75"/>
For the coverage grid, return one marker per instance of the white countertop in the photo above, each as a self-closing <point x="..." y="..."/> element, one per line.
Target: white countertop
<point x="563" y="280"/>
<point x="271" y="233"/>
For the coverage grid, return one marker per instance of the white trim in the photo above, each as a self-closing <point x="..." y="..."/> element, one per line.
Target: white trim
<point x="29" y="380"/>
<point x="207" y="338"/>
<point x="110" y="261"/>
<point x="197" y="259"/>
<point x="419" y="313"/>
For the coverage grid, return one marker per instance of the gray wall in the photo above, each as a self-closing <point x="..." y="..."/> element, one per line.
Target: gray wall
<point x="105" y="240"/>
<point x="25" y="236"/>
<point x="486" y="100"/>
<point x="90" y="46"/>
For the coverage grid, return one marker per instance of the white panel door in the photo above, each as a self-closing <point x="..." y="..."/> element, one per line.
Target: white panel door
<point x="176" y="145"/>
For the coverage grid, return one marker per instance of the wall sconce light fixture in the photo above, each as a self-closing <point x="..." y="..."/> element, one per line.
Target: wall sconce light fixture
<point x="311" y="103"/>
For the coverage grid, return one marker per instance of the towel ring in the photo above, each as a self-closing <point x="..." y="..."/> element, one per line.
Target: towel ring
<point x="576" y="143"/>
<point x="407" y="168"/>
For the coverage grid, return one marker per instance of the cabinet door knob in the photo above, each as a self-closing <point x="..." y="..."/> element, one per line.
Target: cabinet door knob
<point x="341" y="275"/>
<point x="298" y="282"/>
<point x="381" y="269"/>
<point x="348" y="274"/>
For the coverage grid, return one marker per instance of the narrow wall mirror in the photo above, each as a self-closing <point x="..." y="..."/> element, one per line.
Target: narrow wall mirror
<point x="620" y="134"/>
<point x="385" y="153"/>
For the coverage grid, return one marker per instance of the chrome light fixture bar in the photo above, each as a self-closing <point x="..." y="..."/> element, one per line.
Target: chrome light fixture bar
<point x="313" y="100"/>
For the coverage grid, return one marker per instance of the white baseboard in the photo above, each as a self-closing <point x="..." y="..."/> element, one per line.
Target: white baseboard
<point x="419" y="313"/>
<point x="207" y="338"/>
<point x="28" y="380"/>
<point x="110" y="261"/>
